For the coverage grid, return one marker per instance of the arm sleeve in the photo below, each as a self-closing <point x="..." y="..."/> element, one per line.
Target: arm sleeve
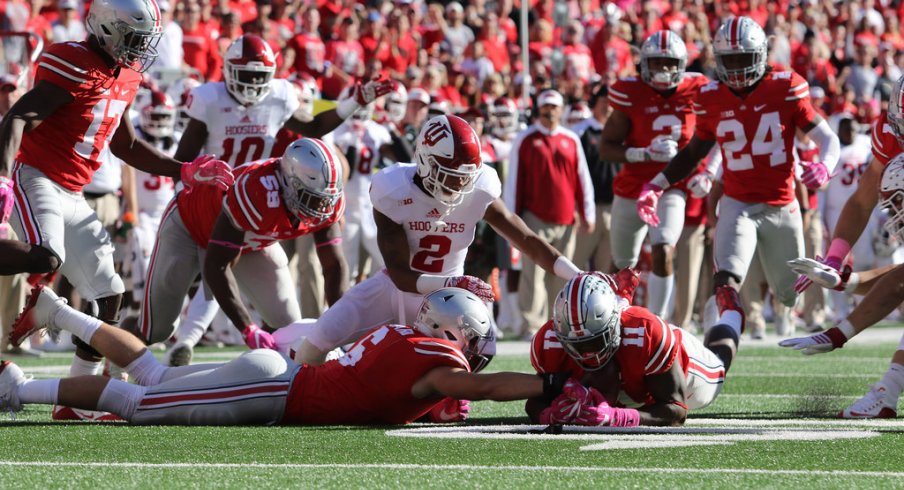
<point x="827" y="142"/>
<point x="585" y="189"/>
<point x="510" y="189"/>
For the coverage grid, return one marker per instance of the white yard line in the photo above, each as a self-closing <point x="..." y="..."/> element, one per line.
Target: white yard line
<point x="455" y="467"/>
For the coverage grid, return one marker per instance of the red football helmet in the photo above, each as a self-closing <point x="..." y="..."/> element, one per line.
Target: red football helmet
<point x="158" y="116"/>
<point x="448" y="158"/>
<point x="504" y="117"/>
<point x="248" y="68"/>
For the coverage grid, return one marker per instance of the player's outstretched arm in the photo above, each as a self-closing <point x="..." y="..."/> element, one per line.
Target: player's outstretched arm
<point x="462" y="385"/>
<point x="335" y="270"/>
<point x="687" y="159"/>
<point x="192" y="141"/>
<point x="140" y="154"/>
<point x="223" y="251"/>
<point x="26" y="114"/>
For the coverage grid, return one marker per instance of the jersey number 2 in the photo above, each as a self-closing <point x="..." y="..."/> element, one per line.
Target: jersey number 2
<point x="430" y="258"/>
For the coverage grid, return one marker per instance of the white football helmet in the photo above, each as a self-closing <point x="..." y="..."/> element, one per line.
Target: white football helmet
<point x="459" y="316"/>
<point x="396" y="103"/>
<point x="663" y="44"/>
<point x="740" y="37"/>
<point x="158" y="116"/>
<point x="306" y="90"/>
<point x="896" y="109"/>
<point x="312" y="179"/>
<point x="448" y="158"/>
<point x="248" y="67"/>
<point x="127" y="30"/>
<point x="504" y="117"/>
<point x="891" y="191"/>
<point x="587" y="321"/>
<point x="180" y="93"/>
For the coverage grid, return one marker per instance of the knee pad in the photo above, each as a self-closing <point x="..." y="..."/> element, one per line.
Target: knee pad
<point x="85" y="347"/>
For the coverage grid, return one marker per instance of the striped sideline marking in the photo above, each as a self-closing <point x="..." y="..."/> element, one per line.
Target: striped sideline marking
<point x="453" y="467"/>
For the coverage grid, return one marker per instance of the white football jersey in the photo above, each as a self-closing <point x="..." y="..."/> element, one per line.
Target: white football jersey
<point x="502" y="147"/>
<point x="239" y="134"/>
<point x="368" y="140"/>
<point x="852" y="162"/>
<point x="154" y="192"/>
<point x="434" y="250"/>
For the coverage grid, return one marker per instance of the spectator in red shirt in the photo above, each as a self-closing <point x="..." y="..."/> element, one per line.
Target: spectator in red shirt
<point x="199" y="44"/>
<point x="346" y="57"/>
<point x="305" y="53"/>
<point x="403" y="47"/>
<point x="494" y="43"/>
<point x="578" y="58"/>
<point x="266" y="29"/>
<point x="611" y="53"/>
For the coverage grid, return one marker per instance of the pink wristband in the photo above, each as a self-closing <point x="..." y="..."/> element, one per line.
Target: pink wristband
<point x="226" y="244"/>
<point x="334" y="241"/>
<point x="625" y="417"/>
<point x="839" y="248"/>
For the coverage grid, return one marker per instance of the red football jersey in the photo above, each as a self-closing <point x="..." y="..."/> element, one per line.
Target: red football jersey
<point x="648" y="346"/>
<point x="885" y="145"/>
<point x="371" y="383"/>
<point x="756" y="134"/>
<point x="254" y="204"/>
<point x="67" y="144"/>
<point x="652" y="115"/>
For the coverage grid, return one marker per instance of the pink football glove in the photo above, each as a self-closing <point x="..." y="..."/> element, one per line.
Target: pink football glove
<point x="646" y="203"/>
<point x="372" y="90"/>
<point x="473" y="284"/>
<point x="803" y="282"/>
<point x="6" y="199"/>
<point x="450" y="410"/>
<point x="815" y="174"/>
<point x="562" y="410"/>
<point x="207" y="170"/>
<point x="603" y="414"/>
<point x="256" y="338"/>
<point x="623" y="282"/>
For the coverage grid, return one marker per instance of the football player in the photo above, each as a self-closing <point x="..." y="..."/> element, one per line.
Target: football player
<point x="51" y="140"/>
<point x="231" y="236"/>
<point x="752" y="112"/>
<point x="882" y="288"/>
<point x="646" y="371"/>
<point x="393" y="375"/>
<point x="426" y="215"/>
<point x="238" y="118"/>
<point x="652" y="118"/>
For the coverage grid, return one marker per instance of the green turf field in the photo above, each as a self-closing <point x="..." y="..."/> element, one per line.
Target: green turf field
<point x="770" y="428"/>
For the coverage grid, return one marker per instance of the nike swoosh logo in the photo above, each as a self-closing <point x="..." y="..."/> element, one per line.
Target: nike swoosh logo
<point x="679" y="108"/>
<point x="758" y="108"/>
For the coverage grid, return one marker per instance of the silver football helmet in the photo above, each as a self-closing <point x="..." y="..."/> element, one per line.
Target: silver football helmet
<point x="127" y="30"/>
<point x="740" y="47"/>
<point x="663" y="45"/>
<point x="312" y="179"/>
<point x="587" y="321"/>
<point x="896" y="109"/>
<point x="891" y="192"/>
<point x="459" y="316"/>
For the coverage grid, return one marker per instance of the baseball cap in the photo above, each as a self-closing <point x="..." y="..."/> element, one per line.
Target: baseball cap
<point x="419" y="95"/>
<point x="67" y="4"/>
<point x="454" y="6"/>
<point x="550" y="97"/>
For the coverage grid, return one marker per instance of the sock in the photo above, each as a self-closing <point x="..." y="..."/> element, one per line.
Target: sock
<point x="146" y="370"/>
<point x="660" y="290"/>
<point x="83" y="367"/>
<point x="710" y="313"/>
<point x="79" y="324"/>
<point x="731" y="318"/>
<point x="893" y="381"/>
<point x="43" y="391"/>
<point x="201" y="312"/>
<point x="121" y="398"/>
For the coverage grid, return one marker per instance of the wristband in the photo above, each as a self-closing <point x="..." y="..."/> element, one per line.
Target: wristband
<point x="847" y="329"/>
<point x="565" y="268"/>
<point x="625" y="417"/>
<point x="661" y="181"/>
<point x="839" y="248"/>
<point x="635" y="155"/>
<point x="553" y="384"/>
<point x="347" y="106"/>
<point x="427" y="283"/>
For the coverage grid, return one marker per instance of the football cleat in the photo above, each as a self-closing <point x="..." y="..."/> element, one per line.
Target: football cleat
<point x="67" y="413"/>
<point x="873" y="405"/>
<point x="179" y="354"/>
<point x="11" y="377"/>
<point x="38" y="313"/>
<point x="727" y="299"/>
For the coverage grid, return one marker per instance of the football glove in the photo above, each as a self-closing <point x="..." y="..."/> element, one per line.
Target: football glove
<point x="207" y="170"/>
<point x="662" y="149"/>
<point x="450" y="410"/>
<point x="815" y="174"/>
<point x="818" y="343"/>
<point x="257" y="338"/>
<point x="372" y="90"/>
<point x="647" y="202"/>
<point x="700" y="184"/>
<point x="473" y="284"/>
<point x="821" y="269"/>
<point x="6" y="199"/>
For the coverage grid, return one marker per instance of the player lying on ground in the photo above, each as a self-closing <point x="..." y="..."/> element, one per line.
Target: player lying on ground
<point x="883" y="293"/>
<point x="393" y="375"/>
<point x="627" y="357"/>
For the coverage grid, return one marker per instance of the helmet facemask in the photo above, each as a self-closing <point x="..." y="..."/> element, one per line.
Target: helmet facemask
<point x="895" y="111"/>
<point x="447" y="185"/>
<point x="665" y="72"/>
<point x="741" y="69"/>
<point x="893" y="204"/>
<point x="587" y="321"/>
<point x="250" y="83"/>
<point x="158" y="122"/>
<point x="595" y="352"/>
<point x="138" y="48"/>
<point x="304" y="202"/>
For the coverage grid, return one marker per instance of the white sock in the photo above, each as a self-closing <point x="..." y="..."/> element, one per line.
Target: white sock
<point x="893" y="381"/>
<point x="121" y="398"/>
<point x="43" y="391"/>
<point x="79" y="324"/>
<point x="660" y="288"/>
<point x="201" y="312"/>
<point x="83" y="367"/>
<point x="731" y="318"/>
<point x="146" y="370"/>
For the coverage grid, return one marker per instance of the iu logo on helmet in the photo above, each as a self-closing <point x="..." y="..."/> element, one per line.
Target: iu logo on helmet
<point x="436" y="132"/>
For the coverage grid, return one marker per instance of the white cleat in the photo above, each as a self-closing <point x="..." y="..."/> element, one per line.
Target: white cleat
<point x="873" y="405"/>
<point x="11" y="376"/>
<point x="38" y="314"/>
